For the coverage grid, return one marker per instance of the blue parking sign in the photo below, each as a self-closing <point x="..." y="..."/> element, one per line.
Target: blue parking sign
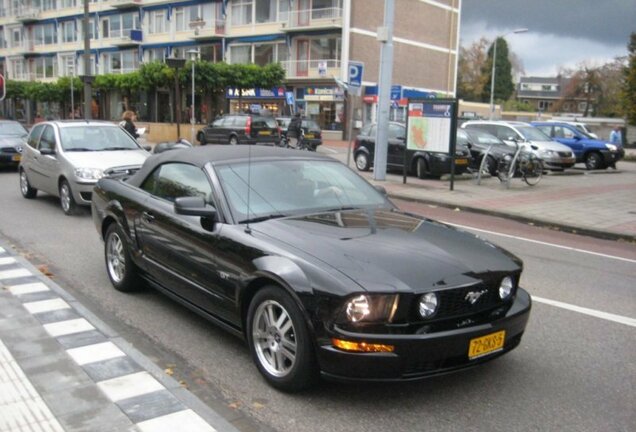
<point x="356" y="69"/>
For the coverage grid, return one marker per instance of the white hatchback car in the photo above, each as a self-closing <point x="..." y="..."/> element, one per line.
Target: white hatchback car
<point x="555" y="156"/>
<point x="66" y="158"/>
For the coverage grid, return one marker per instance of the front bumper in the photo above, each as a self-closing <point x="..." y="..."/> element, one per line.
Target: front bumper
<point x="610" y="157"/>
<point x="558" y="163"/>
<point x="421" y="356"/>
<point x="83" y="192"/>
<point x="10" y="159"/>
<point x="441" y="164"/>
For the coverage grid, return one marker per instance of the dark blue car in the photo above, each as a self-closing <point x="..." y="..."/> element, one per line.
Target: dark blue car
<point x="595" y="153"/>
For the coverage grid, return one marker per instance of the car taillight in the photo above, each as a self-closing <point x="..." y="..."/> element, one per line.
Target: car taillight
<point x="356" y="144"/>
<point x="248" y="126"/>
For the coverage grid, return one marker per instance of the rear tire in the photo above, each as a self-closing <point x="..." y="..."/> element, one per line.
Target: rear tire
<point x="233" y="140"/>
<point x="421" y="168"/>
<point x="201" y="138"/>
<point x="279" y="340"/>
<point x="533" y="171"/>
<point x="25" y="187"/>
<point x="491" y="166"/>
<point x="594" y="161"/>
<point x="67" y="202"/>
<point x="362" y="162"/>
<point x="121" y="270"/>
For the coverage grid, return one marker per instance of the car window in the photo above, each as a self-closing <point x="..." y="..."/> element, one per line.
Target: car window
<point x="462" y="137"/>
<point x="218" y="122"/>
<point x="239" y="121"/>
<point x="175" y="180"/>
<point x="34" y="136"/>
<point x="365" y="130"/>
<point x="47" y="140"/>
<point x="259" y="124"/>
<point x="310" y="124"/>
<point x="547" y="129"/>
<point x="506" y="133"/>
<point x="396" y="131"/>
<point x="564" y="132"/>
<point x="271" y="123"/>
<point x="531" y="133"/>
<point x="372" y="131"/>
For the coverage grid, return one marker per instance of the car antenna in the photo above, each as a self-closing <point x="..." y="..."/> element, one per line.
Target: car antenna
<point x="249" y="186"/>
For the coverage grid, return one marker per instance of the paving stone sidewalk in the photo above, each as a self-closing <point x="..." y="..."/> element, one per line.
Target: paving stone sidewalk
<point x="62" y="369"/>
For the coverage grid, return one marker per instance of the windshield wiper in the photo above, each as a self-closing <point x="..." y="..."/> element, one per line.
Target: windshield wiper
<point x="262" y="218"/>
<point x="343" y="208"/>
<point x="79" y="149"/>
<point x="118" y="148"/>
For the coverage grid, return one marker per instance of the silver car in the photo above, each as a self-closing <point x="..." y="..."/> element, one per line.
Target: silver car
<point x="555" y="156"/>
<point x="66" y="158"/>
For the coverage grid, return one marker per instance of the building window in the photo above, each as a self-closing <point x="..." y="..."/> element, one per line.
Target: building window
<point x="16" y="37"/>
<point x="116" y="26"/>
<point x="582" y="106"/>
<point x="91" y="28"/>
<point x="283" y="10"/>
<point x="265" y="11"/>
<point x="45" y="67"/>
<point x="155" y="54"/>
<point x="122" y="61"/>
<point x="16" y="69"/>
<point x="241" y="12"/>
<point x="68" y="3"/>
<point x="157" y="22"/>
<point x="45" y="34"/>
<point x="263" y="54"/>
<point x="68" y="31"/>
<point x="321" y="9"/>
<point x="241" y="54"/>
<point x="543" y="105"/>
<point x="179" y="19"/>
<point x="48" y="5"/>
<point x="325" y="49"/>
<point x="67" y="65"/>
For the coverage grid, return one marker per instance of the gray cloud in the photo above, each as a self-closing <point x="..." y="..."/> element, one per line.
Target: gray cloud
<point x="605" y="21"/>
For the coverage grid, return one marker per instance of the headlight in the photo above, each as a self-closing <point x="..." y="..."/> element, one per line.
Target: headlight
<point x="89" y="173"/>
<point x="428" y="305"/>
<point x="547" y="152"/>
<point x="371" y="308"/>
<point x="611" y="147"/>
<point x="506" y="287"/>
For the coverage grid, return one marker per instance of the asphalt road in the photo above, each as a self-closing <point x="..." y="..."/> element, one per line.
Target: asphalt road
<point x="572" y="371"/>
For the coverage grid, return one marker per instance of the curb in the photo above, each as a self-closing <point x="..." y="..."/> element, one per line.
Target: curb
<point x="603" y="235"/>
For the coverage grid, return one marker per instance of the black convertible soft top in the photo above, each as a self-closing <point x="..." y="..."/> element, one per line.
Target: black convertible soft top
<point x="200" y="156"/>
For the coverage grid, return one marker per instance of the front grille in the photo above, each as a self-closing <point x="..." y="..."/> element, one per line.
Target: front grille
<point x="10" y="150"/>
<point x="565" y="154"/>
<point x="455" y="302"/>
<point x="86" y="196"/>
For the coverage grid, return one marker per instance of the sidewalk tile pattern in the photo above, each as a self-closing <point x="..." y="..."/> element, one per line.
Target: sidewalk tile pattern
<point x="94" y="367"/>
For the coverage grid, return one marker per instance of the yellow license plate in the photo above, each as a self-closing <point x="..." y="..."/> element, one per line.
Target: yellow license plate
<point x="461" y="161"/>
<point x="266" y="132"/>
<point x="16" y="158"/>
<point x="309" y="136"/>
<point x="486" y="344"/>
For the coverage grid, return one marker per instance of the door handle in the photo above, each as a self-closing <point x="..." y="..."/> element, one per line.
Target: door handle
<point x="148" y="217"/>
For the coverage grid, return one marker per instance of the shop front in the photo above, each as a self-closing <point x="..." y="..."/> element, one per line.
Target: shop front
<point x="324" y="105"/>
<point x="257" y="101"/>
<point x="399" y="100"/>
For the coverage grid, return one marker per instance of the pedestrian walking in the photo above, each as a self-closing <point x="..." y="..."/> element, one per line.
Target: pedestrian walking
<point x="128" y="125"/>
<point x="616" y="136"/>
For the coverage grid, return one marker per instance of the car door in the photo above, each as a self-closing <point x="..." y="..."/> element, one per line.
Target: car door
<point x="569" y="136"/>
<point x="180" y="253"/>
<point x="30" y="154"/>
<point x="397" y="144"/>
<point x="46" y="166"/>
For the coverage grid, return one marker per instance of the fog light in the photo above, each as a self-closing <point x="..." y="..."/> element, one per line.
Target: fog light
<point x="428" y="305"/>
<point x="505" y="288"/>
<point x="361" y="346"/>
<point x="358" y="308"/>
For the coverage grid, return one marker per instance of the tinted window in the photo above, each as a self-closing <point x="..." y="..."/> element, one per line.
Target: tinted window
<point x="562" y="132"/>
<point x="462" y="138"/>
<point x="396" y="131"/>
<point x="218" y="122"/>
<point x="34" y="136"/>
<point x="310" y="124"/>
<point x="506" y="133"/>
<point x="47" y="140"/>
<point x="239" y="121"/>
<point x="179" y="180"/>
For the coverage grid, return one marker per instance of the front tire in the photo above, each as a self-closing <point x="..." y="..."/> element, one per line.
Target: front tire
<point x="201" y="138"/>
<point x="25" y="187"/>
<point x="533" y="171"/>
<point x="121" y="270"/>
<point x="421" y="168"/>
<point x="593" y="161"/>
<point x="362" y="162"/>
<point x="279" y="340"/>
<point x="67" y="202"/>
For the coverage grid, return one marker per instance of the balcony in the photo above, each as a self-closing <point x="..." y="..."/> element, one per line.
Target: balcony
<point x="311" y="69"/>
<point x="201" y="32"/>
<point x="27" y="14"/>
<point x="128" y="38"/>
<point x="117" y="4"/>
<point x="321" y="19"/>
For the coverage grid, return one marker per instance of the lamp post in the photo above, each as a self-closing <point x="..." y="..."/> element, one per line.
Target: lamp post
<point x="193" y="56"/>
<point x="492" y="73"/>
<point x="176" y="64"/>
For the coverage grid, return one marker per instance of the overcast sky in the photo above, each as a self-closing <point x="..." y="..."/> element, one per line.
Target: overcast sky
<point x="560" y="32"/>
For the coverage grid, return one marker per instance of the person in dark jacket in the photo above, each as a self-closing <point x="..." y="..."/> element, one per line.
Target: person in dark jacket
<point x="294" y="129"/>
<point x="128" y="125"/>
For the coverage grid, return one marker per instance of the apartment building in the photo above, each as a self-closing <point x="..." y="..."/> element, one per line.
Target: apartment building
<point x="313" y="39"/>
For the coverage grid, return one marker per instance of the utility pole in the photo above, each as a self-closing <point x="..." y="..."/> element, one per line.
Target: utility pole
<point x="88" y="79"/>
<point x="385" y="36"/>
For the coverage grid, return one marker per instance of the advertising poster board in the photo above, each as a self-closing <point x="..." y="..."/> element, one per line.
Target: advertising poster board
<point x="431" y="127"/>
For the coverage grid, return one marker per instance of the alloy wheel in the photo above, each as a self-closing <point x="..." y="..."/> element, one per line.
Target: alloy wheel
<point x="115" y="258"/>
<point x="274" y="338"/>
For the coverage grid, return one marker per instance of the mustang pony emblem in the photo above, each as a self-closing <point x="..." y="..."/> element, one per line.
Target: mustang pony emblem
<point x="473" y="296"/>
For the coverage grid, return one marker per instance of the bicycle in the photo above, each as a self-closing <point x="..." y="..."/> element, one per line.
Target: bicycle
<point x="301" y="144"/>
<point x="522" y="163"/>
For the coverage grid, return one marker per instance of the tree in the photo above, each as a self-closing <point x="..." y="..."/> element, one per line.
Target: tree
<point x="504" y="87"/>
<point x="628" y="94"/>
<point x="470" y="80"/>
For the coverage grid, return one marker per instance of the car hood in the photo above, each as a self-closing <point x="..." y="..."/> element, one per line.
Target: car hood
<point x="17" y="142"/>
<point x="107" y="159"/>
<point x="550" y="145"/>
<point x="390" y="251"/>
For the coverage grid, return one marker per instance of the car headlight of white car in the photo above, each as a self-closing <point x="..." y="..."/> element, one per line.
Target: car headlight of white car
<point x="611" y="147"/>
<point x="548" y="153"/>
<point x="89" y="173"/>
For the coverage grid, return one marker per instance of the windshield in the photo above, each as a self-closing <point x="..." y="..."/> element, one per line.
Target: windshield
<point x="284" y="187"/>
<point x="12" y="128"/>
<point x="485" y="138"/>
<point x="96" y="138"/>
<point x="310" y="124"/>
<point x="581" y="129"/>
<point x="531" y="133"/>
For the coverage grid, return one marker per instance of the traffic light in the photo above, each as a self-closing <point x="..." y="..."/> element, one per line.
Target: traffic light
<point x="3" y="90"/>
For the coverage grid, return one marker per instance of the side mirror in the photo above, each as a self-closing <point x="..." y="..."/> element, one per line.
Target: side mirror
<point x="147" y="148"/>
<point x="578" y="137"/>
<point x="194" y="206"/>
<point x="469" y="145"/>
<point x="534" y="147"/>
<point x="47" y="151"/>
<point x="380" y="189"/>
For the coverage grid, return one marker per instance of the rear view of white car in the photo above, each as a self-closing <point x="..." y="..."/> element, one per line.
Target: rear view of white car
<point x="66" y="158"/>
<point x="555" y="156"/>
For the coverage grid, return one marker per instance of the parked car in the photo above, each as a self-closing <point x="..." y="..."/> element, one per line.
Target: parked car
<point x="478" y="143"/>
<point x="579" y="125"/>
<point x="66" y="158"/>
<point x="555" y="156"/>
<point x="12" y="140"/>
<point x="240" y="129"/>
<point x="594" y="153"/>
<point x="420" y="163"/>
<point x="313" y="133"/>
<point x="314" y="267"/>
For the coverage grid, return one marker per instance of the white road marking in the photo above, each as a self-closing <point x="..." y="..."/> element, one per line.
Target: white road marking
<point x="46" y="306"/>
<point x="63" y="328"/>
<point x="95" y="353"/>
<point x="7" y="260"/>
<point x="29" y="288"/>
<point x="541" y="242"/>
<point x="586" y="311"/>
<point x="15" y="273"/>
<point x="181" y="420"/>
<point x="128" y="386"/>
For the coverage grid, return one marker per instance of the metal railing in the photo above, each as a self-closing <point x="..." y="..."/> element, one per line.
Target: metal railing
<point x="202" y="28"/>
<point x="27" y="12"/>
<point x="323" y="68"/>
<point x="312" y="17"/>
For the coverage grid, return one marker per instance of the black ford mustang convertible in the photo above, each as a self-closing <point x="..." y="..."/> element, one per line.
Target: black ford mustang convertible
<point x="312" y="265"/>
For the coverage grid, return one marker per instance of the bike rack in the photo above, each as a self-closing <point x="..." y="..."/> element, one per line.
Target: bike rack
<point x="511" y="170"/>
<point x="481" y="165"/>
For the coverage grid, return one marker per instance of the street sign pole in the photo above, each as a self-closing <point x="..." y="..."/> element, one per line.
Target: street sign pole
<point x="353" y="88"/>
